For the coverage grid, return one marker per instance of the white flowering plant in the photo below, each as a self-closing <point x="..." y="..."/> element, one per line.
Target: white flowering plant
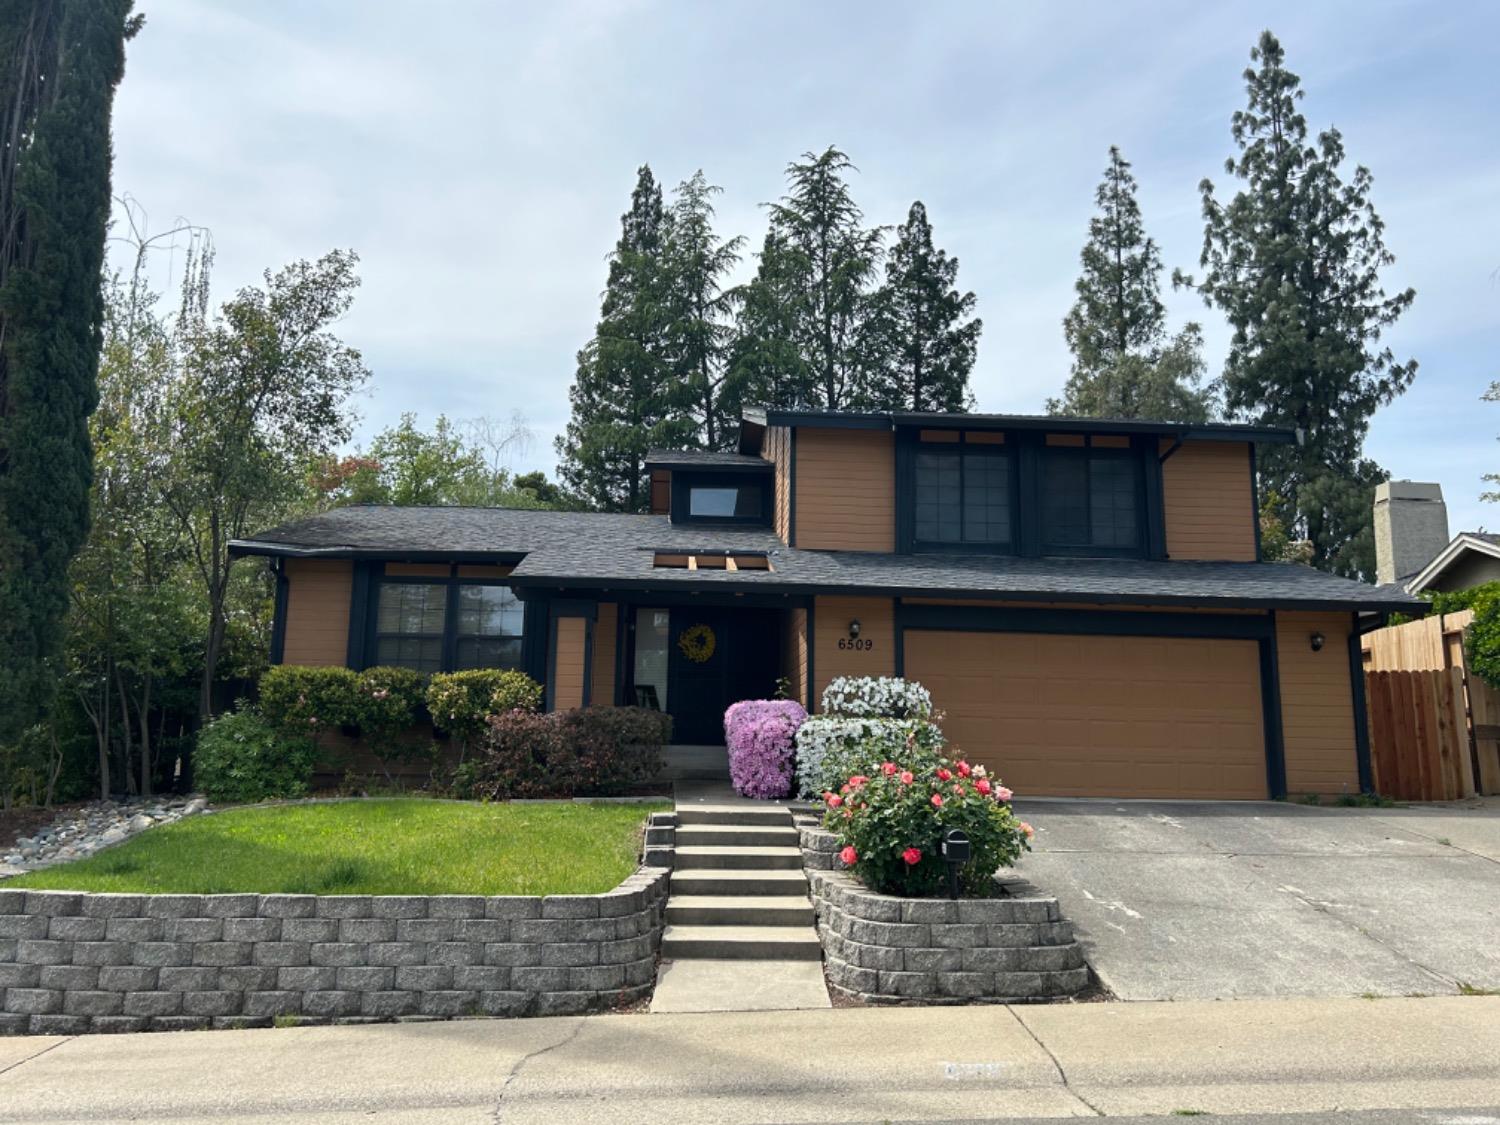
<point x="883" y="697"/>
<point x="831" y="748"/>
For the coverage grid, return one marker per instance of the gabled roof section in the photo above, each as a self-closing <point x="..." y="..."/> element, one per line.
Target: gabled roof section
<point x="1482" y="542"/>
<point x="755" y="421"/>
<point x="707" y="460"/>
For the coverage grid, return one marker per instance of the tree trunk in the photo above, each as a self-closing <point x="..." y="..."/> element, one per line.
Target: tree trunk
<point x="127" y="753"/>
<point x="145" y="706"/>
<point x="101" y="730"/>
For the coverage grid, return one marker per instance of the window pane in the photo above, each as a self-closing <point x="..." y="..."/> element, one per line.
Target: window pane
<point x="720" y="502"/>
<point x="490" y="611"/>
<point x="1112" y="502"/>
<point x="487" y="652"/>
<point x="652" y="627"/>
<point x="986" y="498"/>
<point x="410" y="607"/>
<point x="747" y="505"/>
<point x="937" y="496"/>
<point x="425" y="654"/>
<point x="1065" y="512"/>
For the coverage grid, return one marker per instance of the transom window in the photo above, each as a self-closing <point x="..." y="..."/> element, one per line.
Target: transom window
<point x="963" y="496"/>
<point x="412" y="626"/>
<point x="1091" y="500"/>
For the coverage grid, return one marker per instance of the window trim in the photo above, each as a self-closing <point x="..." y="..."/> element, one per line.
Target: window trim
<point x="451" y="581"/>
<point x="684" y="482"/>
<point x="1087" y="453"/>
<point x="960" y="449"/>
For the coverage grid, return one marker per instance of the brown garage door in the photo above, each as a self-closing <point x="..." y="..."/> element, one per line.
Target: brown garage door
<point x="1093" y="716"/>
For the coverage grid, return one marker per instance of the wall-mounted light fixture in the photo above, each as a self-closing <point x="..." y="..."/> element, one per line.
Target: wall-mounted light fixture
<point x="854" y="628"/>
<point x="1316" y="640"/>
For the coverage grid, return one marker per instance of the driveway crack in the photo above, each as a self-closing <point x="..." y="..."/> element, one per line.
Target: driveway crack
<point x="22" y="1062"/>
<point x="1322" y="908"/>
<point x="515" y="1071"/>
<point x="1061" y="1073"/>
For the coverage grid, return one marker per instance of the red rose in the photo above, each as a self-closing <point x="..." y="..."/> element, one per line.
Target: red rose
<point x="937" y="800"/>
<point x="944" y="774"/>
<point x="983" y="785"/>
<point x="958" y="790"/>
<point x="849" y="856"/>
<point x="912" y="857"/>
<point x="888" y="768"/>
<point x="963" y="769"/>
<point x="906" y="777"/>
<point x="834" y="800"/>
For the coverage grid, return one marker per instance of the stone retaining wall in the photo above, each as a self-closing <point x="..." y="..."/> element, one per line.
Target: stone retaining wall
<point x="883" y="949"/>
<point x="73" y="962"/>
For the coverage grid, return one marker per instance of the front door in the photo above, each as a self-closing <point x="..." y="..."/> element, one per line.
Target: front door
<point x="718" y="657"/>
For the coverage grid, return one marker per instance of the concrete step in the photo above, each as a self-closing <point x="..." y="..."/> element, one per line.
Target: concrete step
<point x="752" y="815"/>
<point x="741" y="943"/>
<point x="739" y="859"/>
<point x="738" y="910"/>
<point x="716" y="882"/>
<point x="737" y="835"/>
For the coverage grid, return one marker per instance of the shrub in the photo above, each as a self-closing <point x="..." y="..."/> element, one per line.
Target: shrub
<point x="761" y="736"/>
<point x="240" y="758"/>
<point x="890" y="826"/>
<point x="303" y="702"/>
<point x="832" y="748"/>
<point x="885" y="697"/>
<point x="600" y="750"/>
<point x="461" y="702"/>
<point x="1483" y="640"/>
<point x="384" y="707"/>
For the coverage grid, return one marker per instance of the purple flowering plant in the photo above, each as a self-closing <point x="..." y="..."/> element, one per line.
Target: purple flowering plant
<point x="761" y="735"/>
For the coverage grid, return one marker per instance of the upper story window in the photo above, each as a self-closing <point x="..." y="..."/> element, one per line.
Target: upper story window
<point x="739" y="496"/>
<point x="1092" y="500"/>
<point x="742" y="502"/>
<point x="964" y="495"/>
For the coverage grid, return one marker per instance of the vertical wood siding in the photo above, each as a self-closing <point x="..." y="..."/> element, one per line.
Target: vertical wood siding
<point x="876" y="617"/>
<point x="567" y="664"/>
<point x="317" y="611"/>
<point x="1209" y="501"/>
<point x="777" y="449"/>
<point x="1317" y="707"/>
<point x="602" y="682"/>
<point x="846" y="490"/>
<point x="661" y="492"/>
<point x="794" y="654"/>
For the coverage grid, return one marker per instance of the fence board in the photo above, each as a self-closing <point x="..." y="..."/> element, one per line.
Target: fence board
<point x="1418" y="739"/>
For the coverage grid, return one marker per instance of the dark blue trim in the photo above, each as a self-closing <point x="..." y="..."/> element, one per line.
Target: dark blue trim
<point x="812" y="650"/>
<point x="1270" y="697"/>
<point x="993" y="619"/>
<point x="361" y="620"/>
<point x="278" y="616"/>
<point x="1361" y="709"/>
<point x="791" y="485"/>
<point x="1254" y="497"/>
<point x="588" y="661"/>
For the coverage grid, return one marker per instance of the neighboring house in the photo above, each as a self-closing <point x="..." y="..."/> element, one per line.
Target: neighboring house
<point x="1412" y="550"/>
<point x="1083" y="598"/>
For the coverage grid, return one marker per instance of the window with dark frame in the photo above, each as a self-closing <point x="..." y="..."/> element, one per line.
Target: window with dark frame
<point x="727" y="502"/>
<point x="963" y="496"/>
<point x="1091" y="500"/>
<point x="412" y="631"/>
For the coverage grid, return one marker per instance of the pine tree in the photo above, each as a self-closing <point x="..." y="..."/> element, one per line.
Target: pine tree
<point x="700" y="328"/>
<point x="1124" y="366"/>
<point x="823" y="260"/>
<point x="624" y="399"/>
<point x="1294" y="262"/>
<point x="60" y="61"/>
<point x="764" y="357"/>
<point x="922" y="347"/>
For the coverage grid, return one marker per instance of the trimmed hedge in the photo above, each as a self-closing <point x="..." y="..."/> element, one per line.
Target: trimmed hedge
<point x="592" y="751"/>
<point x="461" y="703"/>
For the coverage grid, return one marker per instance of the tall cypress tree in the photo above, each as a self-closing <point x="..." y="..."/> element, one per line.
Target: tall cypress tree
<point x="1124" y="366"/>
<point x="764" y="356"/>
<point x="1294" y="261"/>
<point x="824" y="261"/>
<point x="921" y="346"/>
<point x="624" y="398"/>
<point x="62" y="60"/>
<point x="698" y="312"/>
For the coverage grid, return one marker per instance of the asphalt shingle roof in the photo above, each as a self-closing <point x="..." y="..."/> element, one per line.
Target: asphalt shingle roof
<point x="706" y="459"/>
<point x="597" y="551"/>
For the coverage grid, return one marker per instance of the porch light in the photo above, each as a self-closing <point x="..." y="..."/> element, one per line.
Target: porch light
<point x="1316" y="640"/>
<point x="854" y="628"/>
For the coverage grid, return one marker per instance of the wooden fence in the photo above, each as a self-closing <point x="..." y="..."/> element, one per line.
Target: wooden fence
<point x="1434" y="727"/>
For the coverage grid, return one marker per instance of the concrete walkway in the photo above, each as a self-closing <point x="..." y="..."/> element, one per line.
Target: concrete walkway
<point x="843" y="1065"/>
<point x="739" y="933"/>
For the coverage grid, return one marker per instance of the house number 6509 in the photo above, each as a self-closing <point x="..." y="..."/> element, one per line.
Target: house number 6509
<point x="856" y="644"/>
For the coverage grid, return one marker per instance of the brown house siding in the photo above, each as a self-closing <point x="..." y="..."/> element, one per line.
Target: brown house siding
<point x="1317" y="706"/>
<point x="846" y="490"/>
<point x="317" y="611"/>
<point x="1209" y="501"/>
<point x="794" y="655"/>
<point x="602" y="680"/>
<point x="777" y="449"/>
<point x="661" y="492"/>
<point x="567" y="663"/>
<point x="831" y="617"/>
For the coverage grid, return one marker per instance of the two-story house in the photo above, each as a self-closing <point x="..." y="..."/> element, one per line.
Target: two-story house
<point x="1084" y="599"/>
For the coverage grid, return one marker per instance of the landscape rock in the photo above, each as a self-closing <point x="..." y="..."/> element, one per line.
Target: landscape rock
<point x="80" y="832"/>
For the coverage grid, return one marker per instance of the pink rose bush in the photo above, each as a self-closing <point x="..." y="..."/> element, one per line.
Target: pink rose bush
<point x="761" y="735"/>
<point x="890" y="825"/>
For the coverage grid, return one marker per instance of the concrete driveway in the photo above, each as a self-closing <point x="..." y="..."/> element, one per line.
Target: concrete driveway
<point x="1203" y="900"/>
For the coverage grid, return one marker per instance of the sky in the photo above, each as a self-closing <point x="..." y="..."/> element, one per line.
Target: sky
<point x="478" y="155"/>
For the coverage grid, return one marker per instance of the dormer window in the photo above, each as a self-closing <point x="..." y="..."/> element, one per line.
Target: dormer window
<point x="726" y="502"/>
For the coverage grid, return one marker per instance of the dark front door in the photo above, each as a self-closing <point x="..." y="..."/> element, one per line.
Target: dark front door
<point x="717" y="657"/>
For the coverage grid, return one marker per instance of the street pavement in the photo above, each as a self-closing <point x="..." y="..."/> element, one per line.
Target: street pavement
<point x="1228" y="900"/>
<point x="1439" y="1056"/>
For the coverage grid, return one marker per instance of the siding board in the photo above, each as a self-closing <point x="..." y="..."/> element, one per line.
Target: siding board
<point x="1209" y="502"/>
<point x="602" y="681"/>
<point x="567" y="667"/>
<point x="876" y="617"/>
<point x="846" y="490"/>
<point x="777" y="449"/>
<point x="1317" y="706"/>
<point x="317" y="611"/>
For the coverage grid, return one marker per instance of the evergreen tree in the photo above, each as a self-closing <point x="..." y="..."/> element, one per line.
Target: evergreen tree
<point x="60" y="61"/>
<point x="624" y="399"/>
<point x="1294" y="262"/>
<point x="698" y="310"/>
<point x="1124" y="366"/>
<point x="818" y="263"/>
<point x="764" y="357"/>
<point x="922" y="347"/>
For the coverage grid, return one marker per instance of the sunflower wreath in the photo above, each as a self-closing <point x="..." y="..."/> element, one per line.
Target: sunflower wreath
<point x="697" y="643"/>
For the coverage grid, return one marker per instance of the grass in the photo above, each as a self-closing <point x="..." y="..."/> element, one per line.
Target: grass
<point x="382" y="847"/>
<point x="1467" y="989"/>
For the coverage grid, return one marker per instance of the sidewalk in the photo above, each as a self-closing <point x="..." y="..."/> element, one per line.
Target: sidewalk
<point x="842" y="1065"/>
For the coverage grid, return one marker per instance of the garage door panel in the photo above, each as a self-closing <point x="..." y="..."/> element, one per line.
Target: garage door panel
<point x="1126" y="716"/>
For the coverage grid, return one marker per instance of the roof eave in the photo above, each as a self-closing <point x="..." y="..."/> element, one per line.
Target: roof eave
<point x="1461" y="542"/>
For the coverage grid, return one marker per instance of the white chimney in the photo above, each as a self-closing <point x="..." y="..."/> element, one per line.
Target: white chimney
<point x="1411" y="528"/>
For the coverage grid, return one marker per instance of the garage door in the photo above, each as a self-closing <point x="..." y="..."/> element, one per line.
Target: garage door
<point x="1092" y="716"/>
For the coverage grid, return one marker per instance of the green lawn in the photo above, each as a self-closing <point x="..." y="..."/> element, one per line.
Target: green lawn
<point x="381" y="847"/>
